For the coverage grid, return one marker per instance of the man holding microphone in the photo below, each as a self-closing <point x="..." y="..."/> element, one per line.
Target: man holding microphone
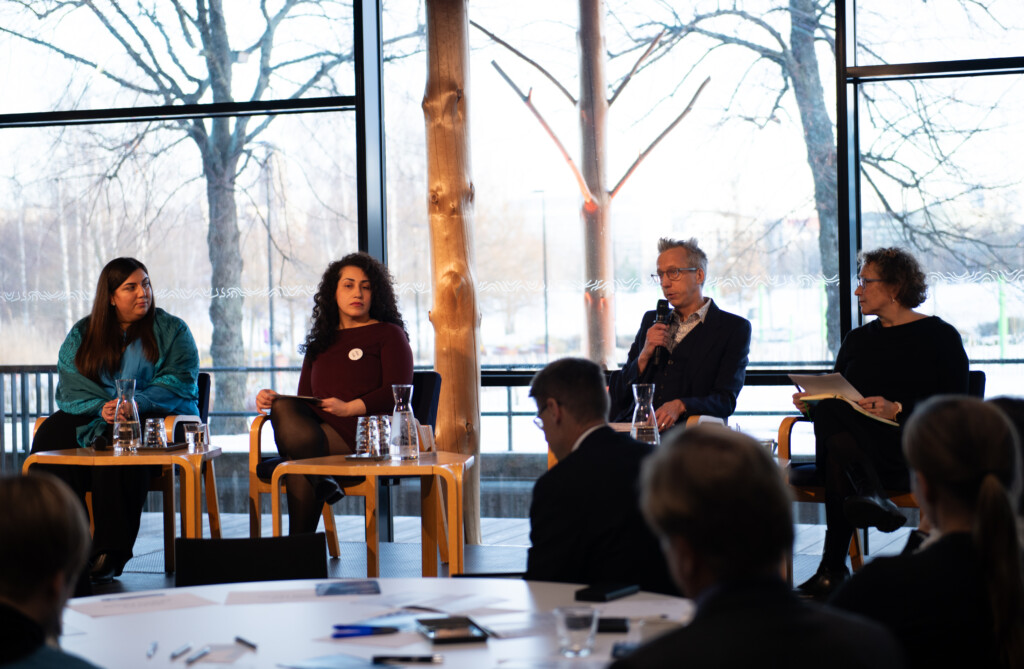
<point x="695" y="355"/>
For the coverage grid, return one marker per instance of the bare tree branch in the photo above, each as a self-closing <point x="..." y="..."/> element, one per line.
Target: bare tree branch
<point x="587" y="195"/>
<point x="639" y="61"/>
<point x="529" y="60"/>
<point x="645" y="152"/>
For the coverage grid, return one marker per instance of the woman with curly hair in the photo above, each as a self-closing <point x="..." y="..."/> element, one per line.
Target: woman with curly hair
<point x="356" y="349"/>
<point x="896" y="361"/>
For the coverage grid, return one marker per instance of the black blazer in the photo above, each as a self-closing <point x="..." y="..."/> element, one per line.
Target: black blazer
<point x="585" y="521"/>
<point x="706" y="369"/>
<point x="761" y="623"/>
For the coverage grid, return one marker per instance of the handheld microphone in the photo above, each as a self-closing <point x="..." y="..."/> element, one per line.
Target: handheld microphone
<point x="660" y="317"/>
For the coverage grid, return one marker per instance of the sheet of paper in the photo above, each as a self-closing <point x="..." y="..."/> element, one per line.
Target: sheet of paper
<point x="142" y="603"/>
<point x="517" y="625"/>
<point x="271" y="596"/>
<point x="677" y="610"/>
<point x="396" y="640"/>
<point x="826" y="384"/>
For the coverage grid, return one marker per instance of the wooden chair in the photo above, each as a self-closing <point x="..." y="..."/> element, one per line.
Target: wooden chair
<point x="209" y="561"/>
<point x="425" y="397"/>
<point x="164" y="483"/>
<point x="808" y="486"/>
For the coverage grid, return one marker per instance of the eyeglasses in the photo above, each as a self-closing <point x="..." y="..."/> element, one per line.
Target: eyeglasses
<point x="673" y="273"/>
<point x="861" y="281"/>
<point x="537" y="419"/>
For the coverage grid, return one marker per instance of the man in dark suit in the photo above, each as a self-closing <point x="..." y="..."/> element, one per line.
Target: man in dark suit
<point x="704" y="358"/>
<point x="723" y="513"/>
<point x="585" y="521"/>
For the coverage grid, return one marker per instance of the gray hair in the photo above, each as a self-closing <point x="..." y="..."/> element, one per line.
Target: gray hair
<point x="695" y="257"/>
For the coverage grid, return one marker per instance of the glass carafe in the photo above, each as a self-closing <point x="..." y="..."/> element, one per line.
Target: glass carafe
<point x="645" y="425"/>
<point x="127" y="431"/>
<point x="405" y="441"/>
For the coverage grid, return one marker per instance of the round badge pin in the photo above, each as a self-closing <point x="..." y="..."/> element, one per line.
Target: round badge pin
<point x="355" y="354"/>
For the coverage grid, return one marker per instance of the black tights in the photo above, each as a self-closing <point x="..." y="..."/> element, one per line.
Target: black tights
<point x="300" y="434"/>
<point x="856" y="455"/>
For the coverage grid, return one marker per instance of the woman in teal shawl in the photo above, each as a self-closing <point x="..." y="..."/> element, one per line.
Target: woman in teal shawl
<point x="125" y="337"/>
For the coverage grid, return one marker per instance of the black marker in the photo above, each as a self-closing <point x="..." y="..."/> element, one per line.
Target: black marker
<point x="408" y="659"/>
<point x="245" y="642"/>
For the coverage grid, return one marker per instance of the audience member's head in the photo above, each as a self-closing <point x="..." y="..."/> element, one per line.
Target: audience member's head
<point x="571" y="397"/>
<point x="44" y="544"/>
<point x="717" y="501"/>
<point x="963" y="452"/>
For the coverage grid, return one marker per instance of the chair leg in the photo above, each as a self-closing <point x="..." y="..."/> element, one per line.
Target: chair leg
<point x="212" y="504"/>
<point x="856" y="557"/>
<point x="332" y="531"/>
<point x="255" y="520"/>
<point x="167" y="487"/>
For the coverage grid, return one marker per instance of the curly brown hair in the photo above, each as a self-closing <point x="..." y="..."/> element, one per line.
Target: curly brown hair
<point x="898" y="268"/>
<point x="326" y="317"/>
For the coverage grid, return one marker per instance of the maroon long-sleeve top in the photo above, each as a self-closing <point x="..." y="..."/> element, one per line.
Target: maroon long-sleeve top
<point x="361" y="363"/>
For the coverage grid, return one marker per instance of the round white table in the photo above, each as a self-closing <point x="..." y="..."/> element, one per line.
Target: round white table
<point x="289" y="624"/>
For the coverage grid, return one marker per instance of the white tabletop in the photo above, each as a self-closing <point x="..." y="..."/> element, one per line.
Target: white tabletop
<point x="290" y="624"/>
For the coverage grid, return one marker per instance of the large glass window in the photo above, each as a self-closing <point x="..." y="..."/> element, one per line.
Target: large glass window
<point x="912" y="32"/>
<point x="737" y="172"/>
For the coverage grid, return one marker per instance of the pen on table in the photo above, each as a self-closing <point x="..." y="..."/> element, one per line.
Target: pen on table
<point x="408" y="659"/>
<point x="198" y="655"/>
<point x="152" y="650"/>
<point x="181" y="651"/>
<point x="245" y="642"/>
<point x="347" y="631"/>
<point x="120" y="599"/>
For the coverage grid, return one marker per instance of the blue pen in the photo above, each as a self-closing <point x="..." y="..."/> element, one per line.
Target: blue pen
<point x="345" y="631"/>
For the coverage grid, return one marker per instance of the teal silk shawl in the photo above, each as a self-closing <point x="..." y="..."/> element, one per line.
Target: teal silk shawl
<point x="167" y="386"/>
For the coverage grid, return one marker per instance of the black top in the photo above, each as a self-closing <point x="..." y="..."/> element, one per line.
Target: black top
<point x="19" y="635"/>
<point x="933" y="601"/>
<point x="904" y="363"/>
<point x="761" y="623"/>
<point x="585" y="521"/>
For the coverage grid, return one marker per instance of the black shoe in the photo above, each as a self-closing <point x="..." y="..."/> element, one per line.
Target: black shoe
<point x="824" y="582"/>
<point x="328" y="490"/>
<point x="873" y="511"/>
<point x="105" y="567"/>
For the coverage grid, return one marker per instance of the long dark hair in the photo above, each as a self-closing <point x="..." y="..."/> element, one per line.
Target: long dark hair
<point x="326" y="317"/>
<point x="104" y="341"/>
<point x="967" y="450"/>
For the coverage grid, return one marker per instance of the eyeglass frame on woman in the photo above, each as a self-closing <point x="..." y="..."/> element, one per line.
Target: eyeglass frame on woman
<point x="673" y="273"/>
<point x="862" y="281"/>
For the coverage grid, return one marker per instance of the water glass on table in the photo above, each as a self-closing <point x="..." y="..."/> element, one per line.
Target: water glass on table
<point x="194" y="437"/>
<point x="576" y="627"/>
<point x="155" y="435"/>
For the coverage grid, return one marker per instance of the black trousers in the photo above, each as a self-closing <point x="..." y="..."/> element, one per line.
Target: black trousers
<point x="118" y="493"/>
<point x="855" y="455"/>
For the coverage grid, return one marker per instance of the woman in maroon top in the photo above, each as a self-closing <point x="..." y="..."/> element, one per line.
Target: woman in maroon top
<point x="355" y="350"/>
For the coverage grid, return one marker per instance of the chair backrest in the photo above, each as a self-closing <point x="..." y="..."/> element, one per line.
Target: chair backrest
<point x="426" y="393"/>
<point x="206" y="561"/>
<point x="203" y="382"/>
<point x="976" y="383"/>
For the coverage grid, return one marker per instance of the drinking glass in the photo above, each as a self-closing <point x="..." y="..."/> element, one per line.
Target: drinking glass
<point x="193" y="437"/>
<point x="155" y="435"/>
<point x="576" y="627"/>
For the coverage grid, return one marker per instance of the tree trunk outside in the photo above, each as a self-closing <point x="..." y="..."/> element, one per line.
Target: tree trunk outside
<point x="223" y="243"/>
<point x="821" y="150"/>
<point x="455" y="314"/>
<point x="599" y="273"/>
